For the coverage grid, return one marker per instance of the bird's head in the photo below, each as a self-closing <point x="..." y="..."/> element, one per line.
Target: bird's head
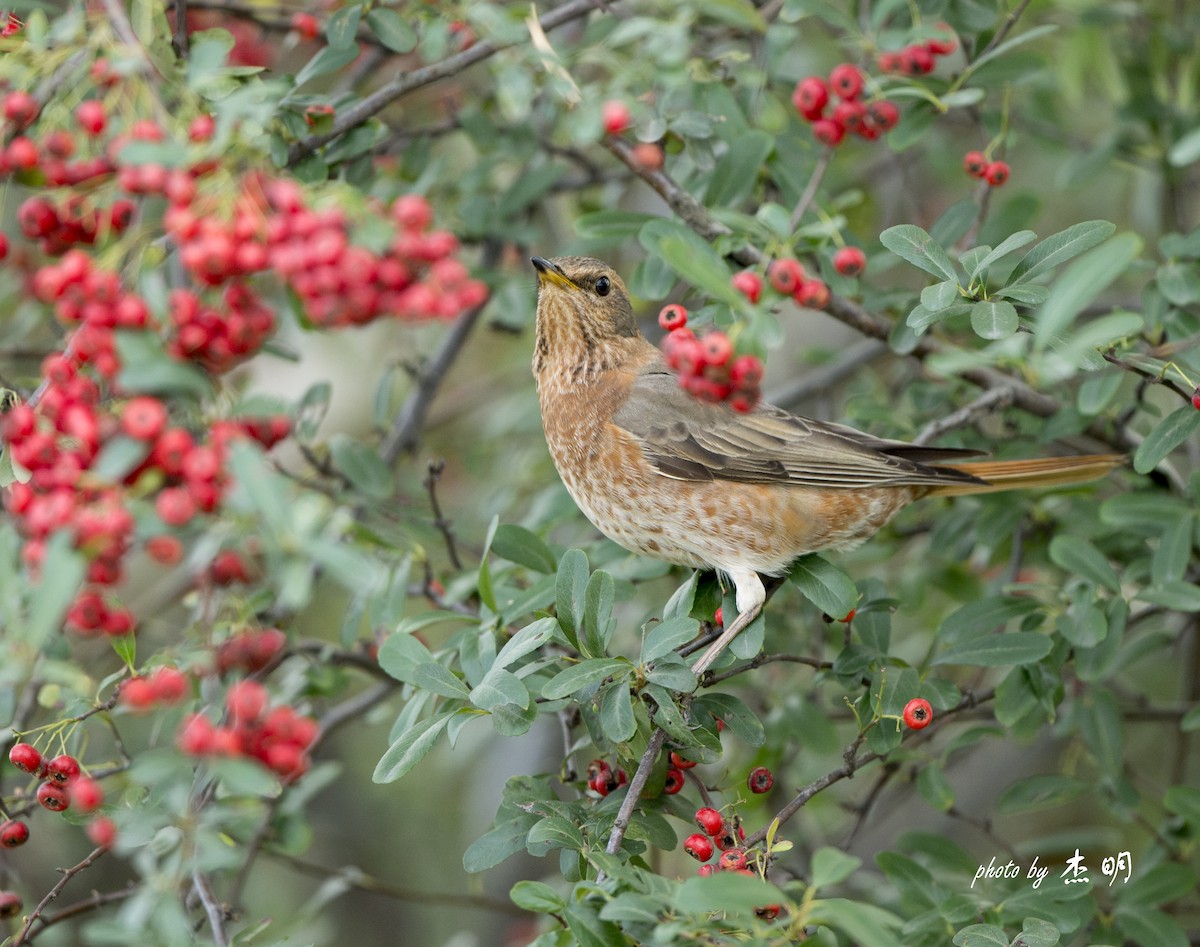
<point x="583" y="307"/>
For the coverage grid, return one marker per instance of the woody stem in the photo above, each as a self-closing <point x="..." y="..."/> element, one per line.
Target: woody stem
<point x="715" y="649"/>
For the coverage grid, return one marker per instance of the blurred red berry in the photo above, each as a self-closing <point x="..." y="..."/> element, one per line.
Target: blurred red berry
<point x="102" y="831"/>
<point x="975" y="163"/>
<point x="86" y="794"/>
<point x="672" y="317"/>
<point x="13" y="833"/>
<point x="849" y="261"/>
<point x="828" y="132"/>
<point x="996" y="173"/>
<point x="615" y="117"/>
<point x="810" y="97"/>
<point x="785" y="275"/>
<point x="748" y="283"/>
<point x="846" y="81"/>
<point x="305" y="25"/>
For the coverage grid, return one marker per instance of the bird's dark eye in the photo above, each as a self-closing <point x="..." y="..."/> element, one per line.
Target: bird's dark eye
<point x="603" y="286"/>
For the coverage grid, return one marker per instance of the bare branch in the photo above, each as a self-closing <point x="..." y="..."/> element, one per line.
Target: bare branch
<point x="23" y="936"/>
<point x="214" y="911"/>
<point x="987" y="402"/>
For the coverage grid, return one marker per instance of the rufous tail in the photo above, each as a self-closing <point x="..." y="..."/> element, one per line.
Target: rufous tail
<point x="1025" y="474"/>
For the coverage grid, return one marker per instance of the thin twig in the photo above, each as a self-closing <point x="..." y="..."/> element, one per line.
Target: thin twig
<point x="810" y="189"/>
<point x="820" y="380"/>
<point x="406" y="429"/>
<point x="67" y="874"/>
<point x="986" y="403"/>
<point x="716" y="677"/>
<point x="634" y="792"/>
<point x="444" y="526"/>
<point x="410" y="80"/>
<point x="1005" y="28"/>
<point x="214" y="911"/>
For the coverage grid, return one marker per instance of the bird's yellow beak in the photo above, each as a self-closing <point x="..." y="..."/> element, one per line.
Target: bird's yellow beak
<point x="550" y="273"/>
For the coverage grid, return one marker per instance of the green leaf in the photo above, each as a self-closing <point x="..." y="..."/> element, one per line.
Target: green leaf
<point x="1172" y="431"/>
<point x="499" y="687"/>
<point x="725" y="891"/>
<point x="400" y="654"/>
<point x="1164" y="882"/>
<point x="831" y="866"/>
<point x="632" y="907"/>
<point x="1100" y="725"/>
<point x="679" y="605"/>
<point x="490" y="849"/>
<point x="611" y="225"/>
<point x="410" y="748"/>
<point x="668" y="635"/>
<point x="1186" y="149"/>
<point x="934" y="788"/>
<point x="570" y="587"/>
<point x="1174" y="551"/>
<point x="1008" y="245"/>
<point x="1081" y="557"/>
<point x="1026" y="295"/>
<point x="1179" y="282"/>
<point x="557" y="832"/>
<point x="825" y="585"/>
<point x="1184" y="801"/>
<point x="1082" y="282"/>
<point x="524" y="642"/>
<point x="861" y="922"/>
<point x="981" y="935"/>
<point x="244" y="777"/>
<point x="939" y="296"/>
<point x="913" y="244"/>
<point x="1037" y="933"/>
<point x="536" y="897"/>
<point x="342" y="26"/>
<point x="994" y="319"/>
<point x="598" y="622"/>
<point x="1017" y="647"/>
<point x="1181" y="596"/>
<point x="330" y="59"/>
<point x="692" y="258"/>
<point x="1083" y="624"/>
<point x="670" y="671"/>
<point x="737" y="170"/>
<point x="737" y="716"/>
<point x="438" y="678"/>
<point x="1041" y="791"/>
<point x="1060" y="247"/>
<point x="146" y="368"/>
<point x="119" y="456"/>
<point x="1007" y="46"/>
<point x="519" y="545"/>
<point x="617" y="722"/>
<point x="584" y="675"/>
<point x="1143" y="925"/>
<point x="362" y="466"/>
<point x="984" y="614"/>
<point x="63" y="571"/>
<point x="392" y="29"/>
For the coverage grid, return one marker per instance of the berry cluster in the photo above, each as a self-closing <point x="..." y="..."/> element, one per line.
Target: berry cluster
<point x="163" y="686"/>
<point x="812" y="95"/>
<point x="977" y="164"/>
<point x="789" y="278"/>
<point x="707" y="366"/>
<point x="724" y="835"/>
<point x="603" y="779"/>
<point x="918" y="59"/>
<point x="278" y="737"/>
<point x="62" y="785"/>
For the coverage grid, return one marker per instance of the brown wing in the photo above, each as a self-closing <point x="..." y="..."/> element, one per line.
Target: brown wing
<point x="693" y="440"/>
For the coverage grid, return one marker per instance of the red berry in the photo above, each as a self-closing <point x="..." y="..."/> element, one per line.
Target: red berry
<point x="709" y="819"/>
<point x="813" y="293"/>
<point x="164" y="549"/>
<point x="54" y="797"/>
<point x="916" y="60"/>
<point x="918" y="714"/>
<point x="846" y="81"/>
<point x="197" y="735"/>
<point x="849" y="616"/>
<point x="91" y="116"/>
<point x="680" y="762"/>
<point x="648" y="155"/>
<point x="25" y="756"/>
<point x="11" y="904"/>
<point x="883" y="115"/>
<point x="246" y="701"/>
<point x="412" y="212"/>
<point x="102" y="831"/>
<point x="828" y="132"/>
<point x="849" y="261"/>
<point x="305" y="25"/>
<point x="725" y="838"/>
<point x="996" y="173"/>
<point x="175" y="506"/>
<point x="13" y="833"/>
<point x="716" y="347"/>
<point x="615" y="116"/>
<point x="785" y="275"/>
<point x="137" y="693"/>
<point x="810" y="97"/>
<point x="942" y="45"/>
<point x="672" y="317"/>
<point x="718" y="617"/>
<point x="732" y="859"/>
<point x="700" y="847"/>
<point x="20" y="108"/>
<point x="144" y="418"/>
<point x="705" y="870"/>
<point x="746" y="372"/>
<point x="62" y="769"/>
<point x="169" y="685"/>
<point x="674" y="782"/>
<point x="768" y="912"/>
<point x="86" y="794"/>
<point x="1196" y="398"/>
<point x="975" y="163"/>
<point x="202" y="128"/>
<point x="760" y="780"/>
<point x="749" y="284"/>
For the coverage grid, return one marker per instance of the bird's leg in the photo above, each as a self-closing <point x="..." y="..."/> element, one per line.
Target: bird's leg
<point x="750" y="598"/>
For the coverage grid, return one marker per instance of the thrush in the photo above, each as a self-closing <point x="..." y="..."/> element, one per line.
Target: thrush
<point x="699" y="484"/>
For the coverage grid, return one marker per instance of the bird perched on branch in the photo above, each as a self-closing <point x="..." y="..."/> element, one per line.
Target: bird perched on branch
<point x="699" y="484"/>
